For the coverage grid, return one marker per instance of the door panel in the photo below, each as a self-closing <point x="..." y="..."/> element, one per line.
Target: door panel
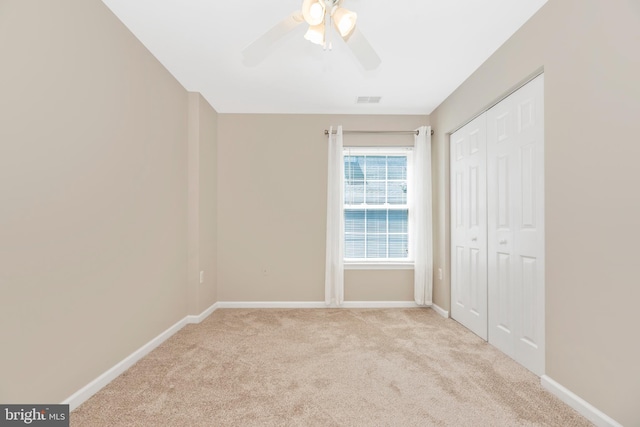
<point x="515" y="157"/>
<point x="469" y="226"/>
<point x="527" y="192"/>
<point x="474" y="268"/>
<point x="474" y="220"/>
<point x="529" y="346"/>
<point x="500" y="168"/>
<point x="529" y="315"/>
<point x="502" y="191"/>
<point x="459" y="272"/>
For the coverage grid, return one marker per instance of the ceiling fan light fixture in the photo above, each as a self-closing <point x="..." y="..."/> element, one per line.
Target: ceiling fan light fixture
<point x="316" y="11"/>
<point x="315" y="34"/>
<point x="313" y="11"/>
<point x="344" y="20"/>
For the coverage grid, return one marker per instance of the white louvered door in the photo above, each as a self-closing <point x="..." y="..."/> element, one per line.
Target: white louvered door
<point x="469" y="226"/>
<point x="497" y="225"/>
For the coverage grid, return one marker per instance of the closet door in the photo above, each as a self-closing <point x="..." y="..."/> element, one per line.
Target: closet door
<point x="469" y="226"/>
<point x="515" y="156"/>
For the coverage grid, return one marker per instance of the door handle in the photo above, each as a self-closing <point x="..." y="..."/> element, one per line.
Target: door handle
<point x="473" y="239"/>
<point x="503" y="241"/>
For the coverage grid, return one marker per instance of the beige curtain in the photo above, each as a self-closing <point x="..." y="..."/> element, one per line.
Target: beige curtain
<point x="334" y="271"/>
<point x="423" y="215"/>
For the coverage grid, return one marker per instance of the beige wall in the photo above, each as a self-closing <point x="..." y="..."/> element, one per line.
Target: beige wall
<point x="93" y="197"/>
<point x="591" y="58"/>
<point x="208" y="171"/>
<point x="202" y="181"/>
<point x="272" y="192"/>
<point x="378" y="285"/>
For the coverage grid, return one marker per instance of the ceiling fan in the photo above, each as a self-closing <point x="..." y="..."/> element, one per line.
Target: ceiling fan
<point x="322" y="16"/>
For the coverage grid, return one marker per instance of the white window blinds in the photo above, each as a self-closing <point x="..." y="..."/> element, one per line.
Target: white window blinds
<point x="376" y="204"/>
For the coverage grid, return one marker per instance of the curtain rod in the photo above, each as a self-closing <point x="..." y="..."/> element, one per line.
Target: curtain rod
<point x="388" y="132"/>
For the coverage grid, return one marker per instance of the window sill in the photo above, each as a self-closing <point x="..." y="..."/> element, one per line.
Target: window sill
<point x="350" y="265"/>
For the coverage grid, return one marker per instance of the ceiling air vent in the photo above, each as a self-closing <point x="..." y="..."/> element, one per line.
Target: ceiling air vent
<point x="368" y="100"/>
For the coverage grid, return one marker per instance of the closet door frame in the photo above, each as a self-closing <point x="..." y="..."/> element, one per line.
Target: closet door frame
<point x="514" y="232"/>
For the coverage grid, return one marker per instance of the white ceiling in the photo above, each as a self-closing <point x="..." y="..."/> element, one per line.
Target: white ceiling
<point x="428" y="48"/>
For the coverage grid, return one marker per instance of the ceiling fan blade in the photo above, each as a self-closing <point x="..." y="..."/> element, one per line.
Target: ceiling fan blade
<point x="363" y="51"/>
<point x="257" y="51"/>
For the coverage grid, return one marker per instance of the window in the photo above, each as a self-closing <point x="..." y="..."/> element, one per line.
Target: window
<point x="376" y="205"/>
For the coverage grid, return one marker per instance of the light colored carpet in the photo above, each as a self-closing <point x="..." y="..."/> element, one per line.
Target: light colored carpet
<point x="325" y="367"/>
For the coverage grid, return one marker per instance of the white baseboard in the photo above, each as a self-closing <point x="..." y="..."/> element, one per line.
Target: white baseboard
<point x="315" y="304"/>
<point x="379" y="304"/>
<point x="79" y="397"/>
<point x="441" y="311"/>
<point x="271" y="304"/>
<point x="587" y="410"/>
<point x="200" y="317"/>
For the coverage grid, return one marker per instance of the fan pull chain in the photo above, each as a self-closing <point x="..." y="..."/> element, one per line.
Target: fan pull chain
<point x="327" y="32"/>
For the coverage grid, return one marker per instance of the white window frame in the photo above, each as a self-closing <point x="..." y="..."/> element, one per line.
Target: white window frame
<point x="385" y="263"/>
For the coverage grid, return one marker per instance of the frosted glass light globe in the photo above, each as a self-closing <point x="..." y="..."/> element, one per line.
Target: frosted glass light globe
<point x="316" y="11"/>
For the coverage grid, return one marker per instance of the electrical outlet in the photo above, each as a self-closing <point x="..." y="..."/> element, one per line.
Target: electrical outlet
<point x="202" y="277"/>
